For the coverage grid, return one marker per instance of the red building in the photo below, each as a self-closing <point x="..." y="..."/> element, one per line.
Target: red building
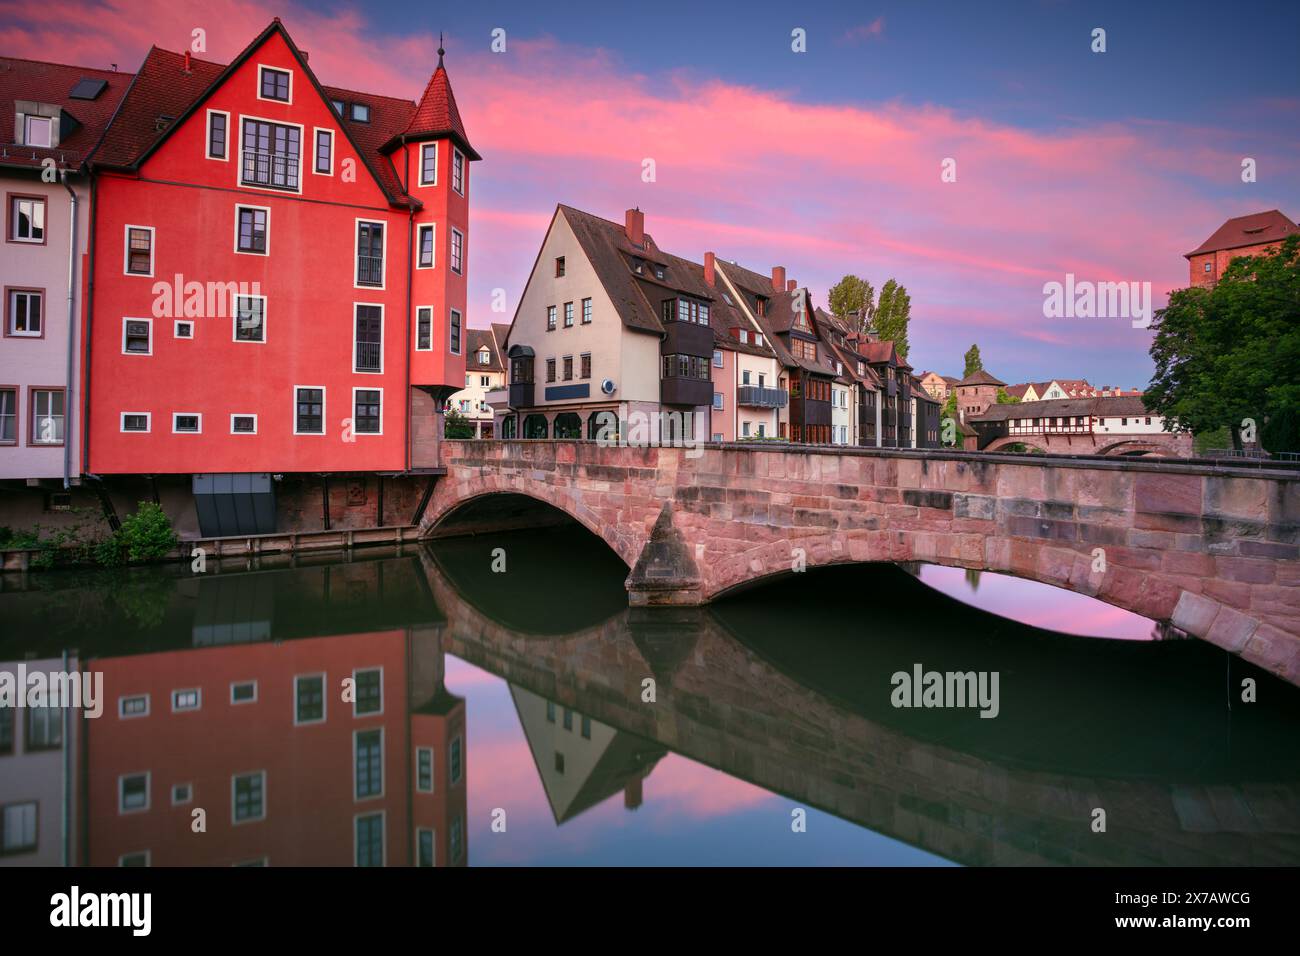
<point x="278" y="271"/>
<point x="1242" y="236"/>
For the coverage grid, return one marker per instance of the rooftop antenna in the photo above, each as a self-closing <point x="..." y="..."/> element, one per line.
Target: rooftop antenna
<point x="441" y="51"/>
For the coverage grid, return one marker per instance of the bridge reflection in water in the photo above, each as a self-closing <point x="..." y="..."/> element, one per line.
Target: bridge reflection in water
<point x="785" y="687"/>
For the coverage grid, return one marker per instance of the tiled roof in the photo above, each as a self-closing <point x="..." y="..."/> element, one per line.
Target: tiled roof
<point x="436" y="114"/>
<point x="1109" y="406"/>
<point x="606" y="246"/>
<point x="980" y="378"/>
<point x="1250" y="230"/>
<point x="475" y="340"/>
<point x="52" y="83"/>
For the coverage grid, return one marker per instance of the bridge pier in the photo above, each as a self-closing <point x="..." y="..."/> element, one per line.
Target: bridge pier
<point x="665" y="574"/>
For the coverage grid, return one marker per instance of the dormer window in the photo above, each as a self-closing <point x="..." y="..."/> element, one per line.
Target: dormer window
<point x="38" y="131"/>
<point x="360" y="113"/>
<point x="762" y="307"/>
<point x="339" y="106"/>
<point x="484" y="356"/>
<point x="727" y="299"/>
<point x="659" y="272"/>
<point x="638" y="266"/>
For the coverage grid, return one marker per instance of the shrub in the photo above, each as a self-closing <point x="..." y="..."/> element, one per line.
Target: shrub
<point x="146" y="535"/>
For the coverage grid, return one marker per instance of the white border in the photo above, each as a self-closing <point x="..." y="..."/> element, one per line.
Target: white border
<point x="360" y="434"/>
<point x="121" y="706"/>
<point x="419" y="178"/>
<point x="126" y="250"/>
<point x="238" y="683"/>
<point x="433" y="778"/>
<point x="234" y="319"/>
<point x="450" y="782"/>
<point x="198" y="415"/>
<point x="451" y="171"/>
<point x="187" y="800"/>
<point x="250" y="252"/>
<point x="383" y="776"/>
<point x="176" y="329"/>
<point x="356" y="697"/>
<point x="419" y="229"/>
<point x="239" y="178"/>
<point x="324" y="418"/>
<point x="461" y="350"/>
<point x="148" y="424"/>
<point x="148" y="792"/>
<point x="233" y="778"/>
<point x="383" y="834"/>
<point x="324" y="698"/>
<point x="253" y="416"/>
<point x="450" y="259"/>
<point x="315" y="134"/>
<point x="262" y="68"/>
<point x="356" y="253"/>
<point x="355" y="370"/>
<point x="416" y="324"/>
<point x="433" y="841"/>
<point x="207" y="137"/>
<point x="198" y="696"/>
<point x="149" y="322"/>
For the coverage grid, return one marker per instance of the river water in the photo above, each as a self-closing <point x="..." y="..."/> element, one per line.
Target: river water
<point x="493" y="700"/>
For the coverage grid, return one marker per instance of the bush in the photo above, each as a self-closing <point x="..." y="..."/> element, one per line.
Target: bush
<point x="146" y="535"/>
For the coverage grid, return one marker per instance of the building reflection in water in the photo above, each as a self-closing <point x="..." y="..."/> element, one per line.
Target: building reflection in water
<point x="226" y="694"/>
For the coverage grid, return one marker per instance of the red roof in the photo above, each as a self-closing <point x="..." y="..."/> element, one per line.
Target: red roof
<point x="436" y="114"/>
<point x="52" y="83"/>
<point x="1251" y="230"/>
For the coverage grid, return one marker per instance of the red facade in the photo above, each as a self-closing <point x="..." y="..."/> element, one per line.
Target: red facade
<point x="257" y="240"/>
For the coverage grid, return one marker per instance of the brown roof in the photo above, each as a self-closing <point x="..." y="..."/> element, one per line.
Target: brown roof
<point x="1108" y="406"/>
<point x="980" y="378"/>
<point x="437" y="115"/>
<point x="1018" y="391"/>
<point x="1250" y="230"/>
<point x="607" y="248"/>
<point x="53" y="83"/>
<point x="475" y="340"/>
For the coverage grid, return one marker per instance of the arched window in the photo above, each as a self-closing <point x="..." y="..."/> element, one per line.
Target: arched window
<point x="603" y="426"/>
<point x="535" y="426"/>
<point x="508" y="426"/>
<point x="568" y="425"/>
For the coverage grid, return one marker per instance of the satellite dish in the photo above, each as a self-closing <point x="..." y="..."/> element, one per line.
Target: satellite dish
<point x="608" y="386"/>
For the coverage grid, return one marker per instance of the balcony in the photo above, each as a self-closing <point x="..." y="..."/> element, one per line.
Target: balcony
<point x="521" y="394"/>
<point x="271" y="170"/>
<point x="757" y="396"/>
<point x="685" y="391"/>
<point x="686" y="338"/>
<point x="368" y="358"/>
<point x="370" y="270"/>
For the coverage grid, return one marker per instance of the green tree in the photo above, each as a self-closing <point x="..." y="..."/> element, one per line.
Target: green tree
<point x="973" y="362"/>
<point x="457" y="425"/>
<point x="1230" y="355"/>
<point x="1004" y="398"/>
<point x="853" y="296"/>
<point x="893" y="312"/>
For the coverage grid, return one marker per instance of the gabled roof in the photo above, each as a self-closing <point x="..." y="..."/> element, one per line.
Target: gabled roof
<point x="436" y="114"/>
<point x="476" y="340"/>
<point x="501" y="332"/>
<point x="165" y="89"/>
<point x="981" y="377"/>
<point x="606" y="246"/>
<point x="1102" y="406"/>
<point x="1018" y="391"/>
<point x="1250" y="230"/>
<point x="53" y="83"/>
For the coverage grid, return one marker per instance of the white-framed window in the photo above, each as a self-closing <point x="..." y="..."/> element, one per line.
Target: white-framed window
<point x="368" y="684"/>
<point x="429" y="164"/>
<point x="368" y="764"/>
<point x="455" y="332"/>
<point x="133" y="792"/>
<point x="424" y="328"/>
<point x="135" y="422"/>
<point x="424" y="769"/>
<point x="248" y="319"/>
<point x="248" y="797"/>
<point x="425" y="246"/>
<point x="18" y="827"/>
<point x="137" y="250"/>
<point x="38" y="131"/>
<point x="717" y="358"/>
<point x="369" y="249"/>
<point x="187" y="698"/>
<point x="367" y="411"/>
<point x="274" y="84"/>
<point x="243" y="424"/>
<point x="187" y="423"/>
<point x="367" y="337"/>
<point x="270" y="154"/>
<point x="133" y="705"/>
<point x="217" y="145"/>
<point x="252" y="230"/>
<point x="309" y="703"/>
<point x="323" y="152"/>
<point x="26" y="308"/>
<point x="183" y="329"/>
<point x="457" y="251"/>
<point x="369" y="845"/>
<point x="458" y="171"/>
<point x="425" y="852"/>
<point x="309" y="409"/>
<point x="243" y="692"/>
<point x="182" y="793"/>
<point x="717" y="400"/>
<point x="137" y="336"/>
<point x="27" y="219"/>
<point x="456" y="761"/>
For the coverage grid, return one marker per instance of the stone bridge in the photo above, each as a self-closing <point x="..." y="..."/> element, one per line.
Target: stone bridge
<point x="1214" y="550"/>
<point x="1163" y="445"/>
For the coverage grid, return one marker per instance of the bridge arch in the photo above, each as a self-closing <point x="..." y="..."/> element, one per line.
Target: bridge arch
<point x="1136" y="447"/>
<point x="1007" y="441"/>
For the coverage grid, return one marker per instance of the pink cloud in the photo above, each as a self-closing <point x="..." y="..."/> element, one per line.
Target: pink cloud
<point x="863" y="32"/>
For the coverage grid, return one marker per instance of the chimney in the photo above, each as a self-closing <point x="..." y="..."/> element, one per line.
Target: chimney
<point x="187" y="61"/>
<point x="710" y="266"/>
<point x="791" y="285"/>
<point x="634" y="223"/>
<point x="778" y="278"/>
<point x="632" y="794"/>
<point x="305" y="55"/>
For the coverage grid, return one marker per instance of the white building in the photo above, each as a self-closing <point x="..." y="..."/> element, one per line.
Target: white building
<point x="484" y="372"/>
